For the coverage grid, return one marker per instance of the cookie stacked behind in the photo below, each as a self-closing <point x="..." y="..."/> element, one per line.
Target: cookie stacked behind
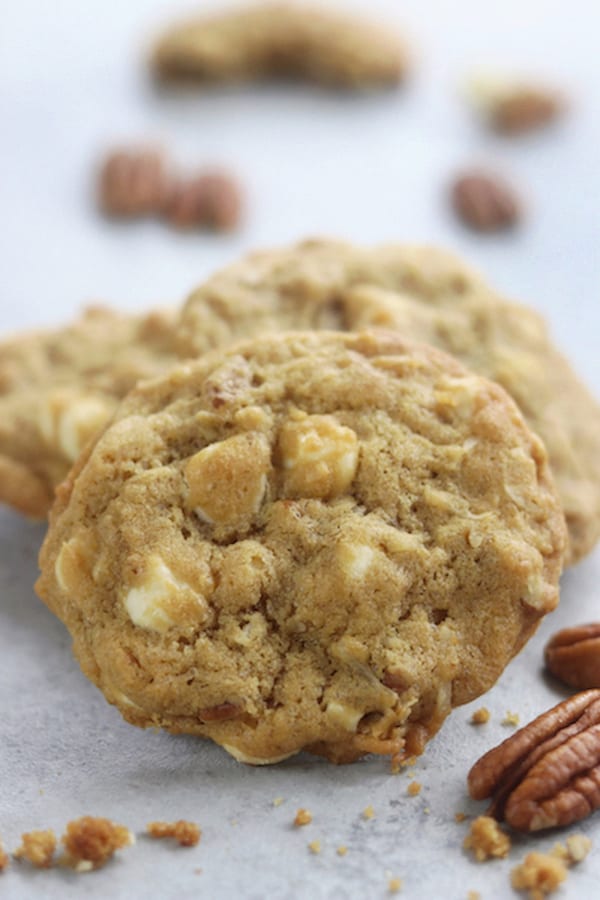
<point x="314" y="540"/>
<point x="58" y="389"/>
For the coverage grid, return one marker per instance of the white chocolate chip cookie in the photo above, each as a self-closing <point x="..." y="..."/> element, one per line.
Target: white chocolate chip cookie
<point x="315" y="541"/>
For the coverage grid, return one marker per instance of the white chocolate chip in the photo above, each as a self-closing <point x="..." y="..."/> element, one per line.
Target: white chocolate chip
<point x="227" y="480"/>
<point x="254" y="760"/>
<point x="319" y="456"/>
<point x="344" y="716"/>
<point x="68" y="420"/>
<point x="161" y="600"/>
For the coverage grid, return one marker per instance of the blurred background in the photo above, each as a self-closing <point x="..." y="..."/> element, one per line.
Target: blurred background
<point x="376" y="167"/>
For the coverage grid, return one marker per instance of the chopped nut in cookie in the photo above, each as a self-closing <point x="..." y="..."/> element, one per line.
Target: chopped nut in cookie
<point x="486" y="840"/>
<point x="90" y="842"/>
<point x="37" y="847"/>
<point x="185" y="833"/>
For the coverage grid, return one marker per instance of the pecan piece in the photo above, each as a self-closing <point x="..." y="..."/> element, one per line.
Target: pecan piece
<point x="133" y="183"/>
<point x="548" y="773"/>
<point x="210" y="200"/>
<point x="485" y="202"/>
<point x="573" y="656"/>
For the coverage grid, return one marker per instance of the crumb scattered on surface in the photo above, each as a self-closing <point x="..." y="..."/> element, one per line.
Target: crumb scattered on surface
<point x="341" y="851"/>
<point x="511" y="719"/>
<point x="459" y="817"/>
<point x="426" y="810"/>
<point x="577" y="848"/>
<point x="38" y="848"/>
<point x="315" y="847"/>
<point x="90" y="842"/>
<point x="277" y="801"/>
<point x="473" y="895"/>
<point x="414" y="788"/>
<point x="539" y="874"/>
<point x="486" y="839"/>
<point x="303" y="817"/>
<point x="185" y="833"/>
<point x="394" y="885"/>
<point x="480" y="716"/>
<point x="368" y="812"/>
<point x="4" y="860"/>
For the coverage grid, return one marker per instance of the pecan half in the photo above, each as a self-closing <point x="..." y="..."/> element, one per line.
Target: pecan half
<point x="485" y="202"/>
<point x="573" y="656"/>
<point x="547" y="774"/>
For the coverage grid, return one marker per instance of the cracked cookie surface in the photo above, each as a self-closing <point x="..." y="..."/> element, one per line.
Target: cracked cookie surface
<point x="59" y="388"/>
<point x="317" y="541"/>
<point x="279" y="40"/>
<point x="428" y="295"/>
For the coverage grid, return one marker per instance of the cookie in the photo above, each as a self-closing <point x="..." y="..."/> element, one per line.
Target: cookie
<point x="275" y="40"/>
<point x="313" y="540"/>
<point x="431" y="296"/>
<point x="59" y="388"/>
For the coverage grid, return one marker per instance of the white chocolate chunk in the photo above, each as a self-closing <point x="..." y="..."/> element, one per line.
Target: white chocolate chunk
<point x="345" y="716"/>
<point x="254" y="760"/>
<point x="227" y="480"/>
<point x="161" y="601"/>
<point x="319" y="456"/>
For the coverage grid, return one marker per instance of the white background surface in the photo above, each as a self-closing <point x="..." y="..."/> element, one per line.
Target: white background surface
<point x="72" y="82"/>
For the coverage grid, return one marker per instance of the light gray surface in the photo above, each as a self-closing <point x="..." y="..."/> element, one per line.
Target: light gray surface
<point x="370" y="169"/>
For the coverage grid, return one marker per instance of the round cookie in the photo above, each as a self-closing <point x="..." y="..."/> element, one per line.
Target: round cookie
<point x="318" y="541"/>
<point x="58" y="388"/>
<point x="431" y="296"/>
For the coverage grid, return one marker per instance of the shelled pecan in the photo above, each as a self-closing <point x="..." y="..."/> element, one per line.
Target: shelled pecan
<point x="547" y="774"/>
<point x="573" y="656"/>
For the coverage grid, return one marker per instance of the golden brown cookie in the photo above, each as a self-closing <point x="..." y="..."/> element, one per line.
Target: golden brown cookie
<point x="274" y="40"/>
<point x="58" y="388"/>
<point x="315" y="541"/>
<point x="431" y="296"/>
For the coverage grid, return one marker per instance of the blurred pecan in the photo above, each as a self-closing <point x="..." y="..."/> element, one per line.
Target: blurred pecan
<point x="573" y="656"/>
<point x="211" y="200"/>
<point x="133" y="183"/>
<point x="525" y="109"/>
<point x="484" y="202"/>
<point x="547" y="774"/>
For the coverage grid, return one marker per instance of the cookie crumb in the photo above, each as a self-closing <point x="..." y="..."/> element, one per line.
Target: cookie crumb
<point x="277" y="801"/>
<point x="185" y="833"/>
<point x="486" y="839"/>
<point x="414" y="788"/>
<point x="394" y="885"/>
<point x="577" y="848"/>
<point x="511" y="719"/>
<point x="4" y="860"/>
<point x="368" y="812"/>
<point x="426" y="810"/>
<point x="539" y="874"/>
<point x="315" y="847"/>
<point x="90" y="842"/>
<point x="341" y="851"/>
<point x="480" y="716"/>
<point x="38" y="848"/>
<point x="473" y="895"/>
<point x="303" y="817"/>
<point x="459" y="817"/>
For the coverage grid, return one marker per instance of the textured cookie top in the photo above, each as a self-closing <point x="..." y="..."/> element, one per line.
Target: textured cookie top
<point x="431" y="296"/>
<point x="59" y="388"/>
<point x="282" y="40"/>
<point x="312" y="540"/>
